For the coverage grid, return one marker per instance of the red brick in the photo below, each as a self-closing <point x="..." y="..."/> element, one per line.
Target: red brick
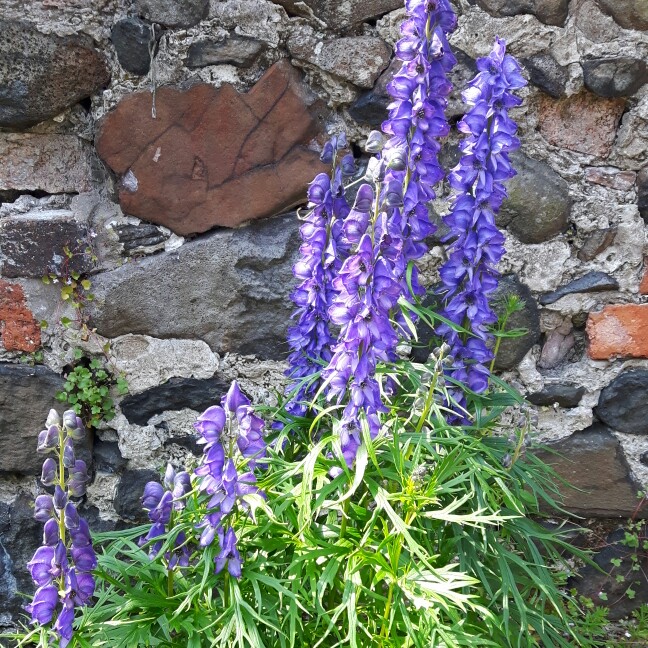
<point x="584" y="122"/>
<point x="214" y="157"/>
<point x="619" y="331"/>
<point x="19" y="330"/>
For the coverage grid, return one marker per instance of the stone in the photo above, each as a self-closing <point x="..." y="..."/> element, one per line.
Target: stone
<point x="240" y="51"/>
<point x="512" y="350"/>
<point x="146" y="362"/>
<point x="584" y="122"/>
<point x="137" y="237"/>
<point x="175" y="394"/>
<point x="340" y="13"/>
<point x="464" y="71"/>
<point x="560" y="341"/>
<point x="565" y="394"/>
<point x="631" y="14"/>
<point x="547" y="74"/>
<point x="597" y="242"/>
<point x="107" y="457"/>
<point x="128" y="499"/>
<point x="26" y="396"/>
<point x="50" y="163"/>
<point x="538" y="204"/>
<point x="356" y="59"/>
<point x="42" y="75"/>
<point x="20" y="536"/>
<point x="607" y="491"/>
<point x="19" y="330"/>
<point x="550" y="12"/>
<point x="371" y="107"/>
<point x="133" y="40"/>
<point x="618" y="331"/>
<point x="642" y="193"/>
<point x="33" y="244"/>
<point x="214" y="157"/>
<point x="594" y="281"/>
<point x="613" y="573"/>
<point x="623" y="404"/>
<point x="173" y="13"/>
<point x="230" y="289"/>
<point x="611" y="177"/>
<point x="614" y="77"/>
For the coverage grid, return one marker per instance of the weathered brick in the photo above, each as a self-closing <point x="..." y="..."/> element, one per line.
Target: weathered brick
<point x="19" y="330"/>
<point x="583" y="122"/>
<point x="620" y="331"/>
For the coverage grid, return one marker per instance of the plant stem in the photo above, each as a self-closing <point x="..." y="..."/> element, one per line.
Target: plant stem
<point x="428" y="404"/>
<point x="226" y="590"/>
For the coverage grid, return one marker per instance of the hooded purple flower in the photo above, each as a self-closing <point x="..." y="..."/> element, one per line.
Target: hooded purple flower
<point x="229" y="555"/>
<point x="310" y="337"/>
<point x="470" y="274"/>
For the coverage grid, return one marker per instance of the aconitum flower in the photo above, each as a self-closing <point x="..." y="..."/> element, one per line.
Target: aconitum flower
<point x="233" y="438"/>
<point x="387" y="234"/>
<point x="416" y="122"/>
<point x="320" y="256"/>
<point x="62" y="567"/>
<point x="470" y="274"/>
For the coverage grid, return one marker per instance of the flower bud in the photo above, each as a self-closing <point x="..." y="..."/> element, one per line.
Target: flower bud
<point x="69" y="419"/>
<point x="394" y="194"/>
<point x="51" y="532"/>
<point x="398" y="160"/>
<point x="59" y="499"/>
<point x="71" y="516"/>
<point x="364" y="199"/>
<point x="375" y="142"/>
<point x="43" y="508"/>
<point x="169" y="477"/>
<point x="327" y="153"/>
<point x="376" y="170"/>
<point x="152" y="495"/>
<point x="347" y="165"/>
<point x="68" y="454"/>
<point x="49" y="472"/>
<point x="48" y="439"/>
<point x="340" y="141"/>
<point x="52" y="419"/>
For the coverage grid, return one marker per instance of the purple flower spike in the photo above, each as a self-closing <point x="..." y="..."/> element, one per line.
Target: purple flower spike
<point x="322" y="249"/>
<point x="470" y="274"/>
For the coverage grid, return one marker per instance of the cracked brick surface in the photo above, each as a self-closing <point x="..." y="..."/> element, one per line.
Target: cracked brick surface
<point x="214" y="157"/>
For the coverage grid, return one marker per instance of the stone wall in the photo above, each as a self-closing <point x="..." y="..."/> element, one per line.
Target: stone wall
<point x="173" y="140"/>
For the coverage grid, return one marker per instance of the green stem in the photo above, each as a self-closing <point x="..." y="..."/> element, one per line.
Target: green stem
<point x="226" y="589"/>
<point x="428" y="404"/>
<point x="498" y="339"/>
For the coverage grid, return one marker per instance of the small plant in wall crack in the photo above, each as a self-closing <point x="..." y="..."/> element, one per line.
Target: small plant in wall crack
<point x="87" y="389"/>
<point x="75" y="286"/>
